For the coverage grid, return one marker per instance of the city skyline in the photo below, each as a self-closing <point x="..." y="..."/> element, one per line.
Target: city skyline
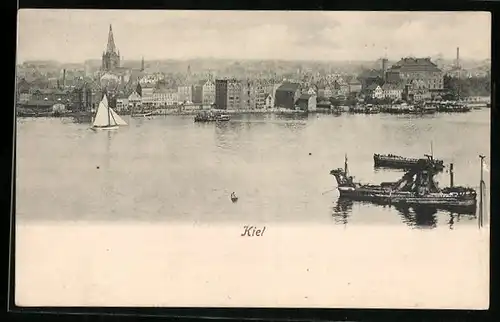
<point x="74" y="36"/>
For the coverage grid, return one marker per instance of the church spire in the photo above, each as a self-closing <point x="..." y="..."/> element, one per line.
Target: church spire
<point x="111" y="48"/>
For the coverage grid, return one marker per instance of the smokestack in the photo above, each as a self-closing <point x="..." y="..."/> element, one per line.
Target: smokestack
<point x="384" y="67"/>
<point x="64" y="78"/>
<point x="458" y="57"/>
<point x="451" y="174"/>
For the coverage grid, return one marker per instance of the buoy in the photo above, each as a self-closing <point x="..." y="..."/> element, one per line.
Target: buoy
<point x="234" y="198"/>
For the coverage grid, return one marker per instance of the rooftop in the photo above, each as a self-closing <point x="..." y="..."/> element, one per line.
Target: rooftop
<point x="392" y="86"/>
<point x="288" y="87"/>
<point x="411" y="64"/>
<point x="40" y="103"/>
<point x="372" y="87"/>
<point x="304" y="97"/>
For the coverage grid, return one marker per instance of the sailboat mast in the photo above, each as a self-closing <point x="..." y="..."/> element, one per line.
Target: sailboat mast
<point x="109" y="115"/>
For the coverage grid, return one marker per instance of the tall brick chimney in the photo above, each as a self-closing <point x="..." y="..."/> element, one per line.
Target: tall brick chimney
<point x="64" y="79"/>
<point x="384" y="68"/>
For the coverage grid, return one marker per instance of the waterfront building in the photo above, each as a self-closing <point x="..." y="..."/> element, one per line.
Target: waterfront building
<point x="228" y="94"/>
<point x="354" y="86"/>
<point x="23" y="97"/>
<point x="50" y="94"/>
<point x="42" y="106"/>
<point x="234" y="93"/>
<point x="151" y="80"/>
<point x="421" y="70"/>
<point x="197" y="92"/>
<point x="163" y="97"/>
<point x="134" y="100"/>
<point x="375" y="91"/>
<point x="23" y="94"/>
<point x="247" y="95"/>
<point x="83" y="97"/>
<point x="307" y="102"/>
<point x="221" y="93"/>
<point x="286" y="95"/>
<point x="58" y="108"/>
<point x="392" y="91"/>
<point x="147" y="96"/>
<point x="121" y="103"/>
<point x="208" y="93"/>
<point x="420" y="95"/>
<point x="261" y="91"/>
<point x="343" y="87"/>
<point x="371" y="76"/>
<point x="269" y="102"/>
<point x="326" y="92"/>
<point x="185" y="93"/>
<point x="324" y="105"/>
<point x="312" y="91"/>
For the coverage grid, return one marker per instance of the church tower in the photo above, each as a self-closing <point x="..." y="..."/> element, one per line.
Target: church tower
<point x="111" y="57"/>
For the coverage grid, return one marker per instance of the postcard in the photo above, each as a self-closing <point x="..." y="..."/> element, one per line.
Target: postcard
<point x="311" y="159"/>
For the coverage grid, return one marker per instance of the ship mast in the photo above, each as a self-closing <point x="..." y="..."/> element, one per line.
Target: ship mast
<point x="481" y="188"/>
<point x="345" y="165"/>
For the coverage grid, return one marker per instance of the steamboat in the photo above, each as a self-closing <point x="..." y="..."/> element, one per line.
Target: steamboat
<point x="399" y="162"/>
<point x="416" y="187"/>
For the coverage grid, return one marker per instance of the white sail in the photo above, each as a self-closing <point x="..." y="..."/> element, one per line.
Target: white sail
<point x="117" y="118"/>
<point x="103" y="116"/>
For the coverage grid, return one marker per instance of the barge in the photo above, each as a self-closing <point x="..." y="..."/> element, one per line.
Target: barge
<point x="399" y="162"/>
<point x="416" y="187"/>
<point x="211" y="117"/>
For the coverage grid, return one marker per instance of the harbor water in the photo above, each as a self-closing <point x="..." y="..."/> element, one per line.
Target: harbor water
<point x="169" y="168"/>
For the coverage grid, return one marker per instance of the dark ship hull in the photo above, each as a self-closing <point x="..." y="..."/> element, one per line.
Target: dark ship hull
<point x="416" y="187"/>
<point x="447" y="201"/>
<point x="398" y="162"/>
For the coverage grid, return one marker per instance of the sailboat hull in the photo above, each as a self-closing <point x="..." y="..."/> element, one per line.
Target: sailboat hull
<point x="99" y="128"/>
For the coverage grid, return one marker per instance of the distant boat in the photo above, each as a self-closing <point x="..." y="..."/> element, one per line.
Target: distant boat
<point x="211" y="117"/>
<point x="106" y="118"/>
<point x="223" y="118"/>
<point x="142" y="114"/>
<point x="399" y="162"/>
<point x="234" y="198"/>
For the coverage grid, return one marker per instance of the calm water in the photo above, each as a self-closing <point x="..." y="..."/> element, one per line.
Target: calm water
<point x="170" y="168"/>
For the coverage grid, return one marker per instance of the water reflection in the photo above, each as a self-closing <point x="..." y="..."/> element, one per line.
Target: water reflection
<point x="418" y="216"/>
<point x="342" y="210"/>
<point x="421" y="216"/>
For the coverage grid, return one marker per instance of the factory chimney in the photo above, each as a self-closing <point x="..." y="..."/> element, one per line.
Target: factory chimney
<point x="384" y="67"/>
<point x="64" y="79"/>
<point x="458" y="57"/>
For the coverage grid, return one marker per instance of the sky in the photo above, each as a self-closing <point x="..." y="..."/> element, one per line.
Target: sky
<point x="72" y="36"/>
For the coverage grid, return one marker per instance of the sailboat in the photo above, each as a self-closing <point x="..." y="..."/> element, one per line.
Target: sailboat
<point x="106" y="118"/>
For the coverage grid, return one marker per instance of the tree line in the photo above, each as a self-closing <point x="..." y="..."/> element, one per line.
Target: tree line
<point x="473" y="86"/>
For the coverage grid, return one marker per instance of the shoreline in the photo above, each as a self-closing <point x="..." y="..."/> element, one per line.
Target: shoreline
<point x="342" y="110"/>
